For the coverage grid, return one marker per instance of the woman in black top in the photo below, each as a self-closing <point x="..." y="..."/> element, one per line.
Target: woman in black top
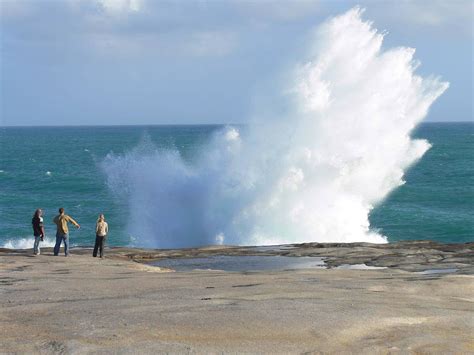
<point x="38" y="230"/>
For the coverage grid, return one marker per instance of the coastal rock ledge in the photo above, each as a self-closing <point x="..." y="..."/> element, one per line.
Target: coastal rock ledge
<point x="420" y="302"/>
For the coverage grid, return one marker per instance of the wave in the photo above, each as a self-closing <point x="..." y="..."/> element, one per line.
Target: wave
<point x="311" y="174"/>
<point x="27" y="243"/>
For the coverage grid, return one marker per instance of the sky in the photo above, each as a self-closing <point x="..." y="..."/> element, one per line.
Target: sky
<point x="124" y="62"/>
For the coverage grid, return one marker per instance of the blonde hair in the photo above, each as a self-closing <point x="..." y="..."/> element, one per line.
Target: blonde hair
<point x="101" y="218"/>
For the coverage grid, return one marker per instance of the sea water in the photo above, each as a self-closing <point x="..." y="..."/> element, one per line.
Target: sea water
<point x="52" y="167"/>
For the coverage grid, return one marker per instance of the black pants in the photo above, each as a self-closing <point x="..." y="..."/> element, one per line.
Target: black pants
<point x="99" y="245"/>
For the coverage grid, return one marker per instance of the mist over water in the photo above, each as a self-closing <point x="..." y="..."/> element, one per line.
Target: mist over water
<point x="312" y="174"/>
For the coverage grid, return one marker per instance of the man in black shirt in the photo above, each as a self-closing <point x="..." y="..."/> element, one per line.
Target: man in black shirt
<point x="38" y="230"/>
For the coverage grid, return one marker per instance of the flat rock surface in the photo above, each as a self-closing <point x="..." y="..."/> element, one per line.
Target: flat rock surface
<point x="81" y="304"/>
<point x="415" y="256"/>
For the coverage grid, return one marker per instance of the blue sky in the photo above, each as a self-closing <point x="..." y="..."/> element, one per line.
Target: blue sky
<point x="75" y="62"/>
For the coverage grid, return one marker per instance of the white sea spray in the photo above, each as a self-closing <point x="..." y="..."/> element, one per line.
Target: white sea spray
<point x="312" y="174"/>
<point x="27" y="243"/>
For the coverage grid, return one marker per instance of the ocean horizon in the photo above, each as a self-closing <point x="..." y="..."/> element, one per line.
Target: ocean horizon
<point x="179" y="125"/>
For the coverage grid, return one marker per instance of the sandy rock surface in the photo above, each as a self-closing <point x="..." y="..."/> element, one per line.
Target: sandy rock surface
<point x="81" y="304"/>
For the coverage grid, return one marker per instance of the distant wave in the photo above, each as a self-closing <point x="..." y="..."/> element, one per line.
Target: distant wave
<point x="27" y="243"/>
<point x="312" y="174"/>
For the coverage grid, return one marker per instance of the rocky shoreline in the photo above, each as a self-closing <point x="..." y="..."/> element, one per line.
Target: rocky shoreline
<point x="413" y="256"/>
<point x="122" y="305"/>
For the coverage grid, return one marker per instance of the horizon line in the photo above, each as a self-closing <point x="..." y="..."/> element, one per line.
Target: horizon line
<point x="121" y="125"/>
<point x="168" y="124"/>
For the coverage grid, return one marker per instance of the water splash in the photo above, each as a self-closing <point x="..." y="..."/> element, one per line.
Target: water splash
<point x="313" y="174"/>
<point x="27" y="243"/>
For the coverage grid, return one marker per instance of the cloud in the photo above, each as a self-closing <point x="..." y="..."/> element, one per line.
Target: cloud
<point x="127" y="27"/>
<point x="120" y="6"/>
<point x="437" y="12"/>
<point x="206" y="28"/>
<point x="278" y="11"/>
<point x="194" y="44"/>
<point x="119" y="26"/>
<point x="435" y="16"/>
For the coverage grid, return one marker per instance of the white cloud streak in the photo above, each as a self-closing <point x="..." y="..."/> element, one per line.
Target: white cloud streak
<point x="454" y="17"/>
<point x="120" y="6"/>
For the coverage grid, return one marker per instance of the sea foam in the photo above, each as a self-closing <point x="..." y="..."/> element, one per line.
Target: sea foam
<point x="27" y="243"/>
<point x="312" y="174"/>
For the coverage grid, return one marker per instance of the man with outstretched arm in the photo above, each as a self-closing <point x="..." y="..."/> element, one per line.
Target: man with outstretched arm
<point x="62" y="231"/>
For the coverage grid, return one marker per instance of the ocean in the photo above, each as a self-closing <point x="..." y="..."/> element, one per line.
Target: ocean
<point x="52" y="167"/>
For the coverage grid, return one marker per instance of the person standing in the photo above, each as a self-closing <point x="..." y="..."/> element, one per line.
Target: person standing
<point x="101" y="231"/>
<point x="62" y="231"/>
<point x="38" y="230"/>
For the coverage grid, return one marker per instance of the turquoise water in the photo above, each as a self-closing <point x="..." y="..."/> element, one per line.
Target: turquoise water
<point x="50" y="167"/>
<point x="437" y="201"/>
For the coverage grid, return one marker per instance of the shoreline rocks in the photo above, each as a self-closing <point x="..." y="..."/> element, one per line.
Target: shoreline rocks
<point x="119" y="304"/>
